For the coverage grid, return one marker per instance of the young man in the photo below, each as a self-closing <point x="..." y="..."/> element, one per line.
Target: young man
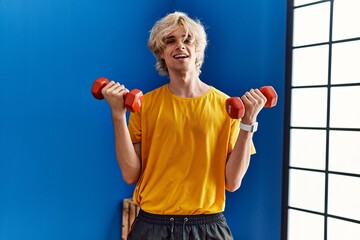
<point x="181" y="148"/>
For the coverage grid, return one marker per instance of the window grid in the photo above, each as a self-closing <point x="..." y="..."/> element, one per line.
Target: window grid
<point x="327" y="128"/>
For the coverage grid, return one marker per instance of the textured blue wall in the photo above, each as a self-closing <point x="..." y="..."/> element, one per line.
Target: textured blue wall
<point x="58" y="175"/>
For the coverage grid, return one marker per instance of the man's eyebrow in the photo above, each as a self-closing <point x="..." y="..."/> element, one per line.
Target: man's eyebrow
<point x="172" y="36"/>
<point x="169" y="37"/>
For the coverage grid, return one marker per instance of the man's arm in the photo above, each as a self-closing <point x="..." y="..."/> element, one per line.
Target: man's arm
<point x="128" y="154"/>
<point x="239" y="159"/>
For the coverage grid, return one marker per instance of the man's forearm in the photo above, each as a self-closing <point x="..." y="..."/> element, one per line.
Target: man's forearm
<point x="128" y="159"/>
<point x="238" y="161"/>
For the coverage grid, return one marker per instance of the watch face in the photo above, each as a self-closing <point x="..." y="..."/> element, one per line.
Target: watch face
<point x="255" y="126"/>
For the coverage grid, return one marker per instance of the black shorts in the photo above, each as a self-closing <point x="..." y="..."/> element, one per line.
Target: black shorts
<point x="193" y="227"/>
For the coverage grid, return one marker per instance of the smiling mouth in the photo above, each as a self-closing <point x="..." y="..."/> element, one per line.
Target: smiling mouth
<point x="180" y="56"/>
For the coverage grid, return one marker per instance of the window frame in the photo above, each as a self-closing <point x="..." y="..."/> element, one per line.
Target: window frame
<point x="287" y="120"/>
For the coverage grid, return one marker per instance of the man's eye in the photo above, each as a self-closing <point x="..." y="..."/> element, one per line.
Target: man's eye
<point x="188" y="40"/>
<point x="169" y="41"/>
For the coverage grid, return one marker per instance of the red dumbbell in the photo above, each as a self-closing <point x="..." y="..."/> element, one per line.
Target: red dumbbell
<point x="133" y="99"/>
<point x="235" y="107"/>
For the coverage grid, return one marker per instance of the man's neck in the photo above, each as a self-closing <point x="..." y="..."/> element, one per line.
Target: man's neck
<point x="187" y="85"/>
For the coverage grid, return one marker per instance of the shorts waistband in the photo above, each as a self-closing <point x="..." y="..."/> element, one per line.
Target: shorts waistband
<point x="180" y="219"/>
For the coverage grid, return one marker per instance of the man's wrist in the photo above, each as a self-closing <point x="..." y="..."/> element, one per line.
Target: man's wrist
<point x="249" y="127"/>
<point x="118" y="116"/>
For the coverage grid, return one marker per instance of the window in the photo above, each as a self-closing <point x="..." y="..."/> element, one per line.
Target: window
<point x="321" y="196"/>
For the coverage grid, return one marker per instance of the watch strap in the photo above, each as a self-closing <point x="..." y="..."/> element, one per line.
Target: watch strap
<point x="249" y="127"/>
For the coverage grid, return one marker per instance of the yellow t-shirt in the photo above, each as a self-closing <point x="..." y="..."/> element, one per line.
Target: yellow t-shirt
<point x="184" y="147"/>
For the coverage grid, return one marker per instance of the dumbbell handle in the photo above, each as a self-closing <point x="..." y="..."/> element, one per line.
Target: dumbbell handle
<point x="132" y="100"/>
<point x="235" y="107"/>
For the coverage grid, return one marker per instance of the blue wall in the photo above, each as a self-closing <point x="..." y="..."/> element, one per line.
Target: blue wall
<point x="58" y="175"/>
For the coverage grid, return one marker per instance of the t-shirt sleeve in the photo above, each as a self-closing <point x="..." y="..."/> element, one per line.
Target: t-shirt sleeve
<point x="135" y="127"/>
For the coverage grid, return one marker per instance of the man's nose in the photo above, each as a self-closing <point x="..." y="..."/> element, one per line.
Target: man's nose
<point x="180" y="45"/>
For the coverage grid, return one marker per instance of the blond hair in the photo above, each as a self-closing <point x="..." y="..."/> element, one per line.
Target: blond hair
<point x="167" y="25"/>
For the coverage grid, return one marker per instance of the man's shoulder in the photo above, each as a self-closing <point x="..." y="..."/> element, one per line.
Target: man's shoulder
<point x="155" y="94"/>
<point x="157" y="90"/>
<point x="219" y="93"/>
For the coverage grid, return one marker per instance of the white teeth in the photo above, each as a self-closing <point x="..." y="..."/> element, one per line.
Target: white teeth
<point x="180" y="56"/>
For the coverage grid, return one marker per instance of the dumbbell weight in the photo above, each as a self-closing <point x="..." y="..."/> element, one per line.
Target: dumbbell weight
<point x="235" y="107"/>
<point x="132" y="100"/>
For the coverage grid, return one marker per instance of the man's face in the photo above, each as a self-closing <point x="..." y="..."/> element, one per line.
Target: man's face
<point x="179" y="52"/>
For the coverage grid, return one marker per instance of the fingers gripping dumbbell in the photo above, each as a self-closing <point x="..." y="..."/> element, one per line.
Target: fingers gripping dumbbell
<point x="132" y="100"/>
<point x="235" y="107"/>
